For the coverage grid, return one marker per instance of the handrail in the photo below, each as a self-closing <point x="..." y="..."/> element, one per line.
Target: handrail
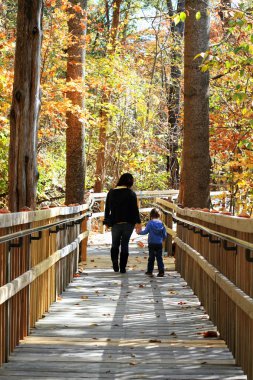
<point x="220" y="235"/>
<point x="31" y="231"/>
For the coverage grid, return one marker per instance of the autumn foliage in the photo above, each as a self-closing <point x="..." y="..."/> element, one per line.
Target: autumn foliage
<point x="135" y="78"/>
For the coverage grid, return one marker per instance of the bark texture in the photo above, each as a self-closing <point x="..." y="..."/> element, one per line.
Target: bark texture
<point x="24" y="113"/>
<point x="75" y="133"/>
<point x="195" y="176"/>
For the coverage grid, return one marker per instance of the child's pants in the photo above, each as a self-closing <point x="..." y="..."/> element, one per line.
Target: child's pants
<point x="155" y="252"/>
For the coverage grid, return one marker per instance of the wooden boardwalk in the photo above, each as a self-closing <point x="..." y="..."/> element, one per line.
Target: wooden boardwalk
<point x="123" y="326"/>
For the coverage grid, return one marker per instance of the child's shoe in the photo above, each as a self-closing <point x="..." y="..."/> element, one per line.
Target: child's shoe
<point x="149" y="274"/>
<point x="160" y="274"/>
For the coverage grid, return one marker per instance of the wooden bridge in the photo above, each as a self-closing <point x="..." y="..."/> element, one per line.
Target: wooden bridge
<point x="65" y="314"/>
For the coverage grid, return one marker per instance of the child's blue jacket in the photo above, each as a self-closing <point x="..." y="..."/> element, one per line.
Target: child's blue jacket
<point x="156" y="230"/>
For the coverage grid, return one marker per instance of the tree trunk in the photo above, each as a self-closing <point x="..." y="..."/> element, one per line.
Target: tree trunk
<point x="24" y="113"/>
<point x="75" y="133"/>
<point x="225" y="6"/>
<point x="173" y="97"/>
<point x="195" y="176"/>
<point x="115" y="22"/>
<point x="100" y="165"/>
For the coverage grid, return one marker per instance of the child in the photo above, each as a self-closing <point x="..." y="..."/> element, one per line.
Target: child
<point x="157" y="233"/>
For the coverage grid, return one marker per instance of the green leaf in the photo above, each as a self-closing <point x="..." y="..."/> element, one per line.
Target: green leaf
<point x="182" y="16"/>
<point x="198" y="16"/>
<point x="177" y="19"/>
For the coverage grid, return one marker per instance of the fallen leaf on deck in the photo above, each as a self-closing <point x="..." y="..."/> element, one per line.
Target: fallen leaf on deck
<point x="133" y="363"/>
<point x="155" y="341"/>
<point x="210" y="334"/>
<point x="76" y="275"/>
<point x="84" y="297"/>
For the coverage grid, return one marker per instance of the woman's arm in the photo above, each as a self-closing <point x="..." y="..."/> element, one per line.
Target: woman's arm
<point x="107" y="209"/>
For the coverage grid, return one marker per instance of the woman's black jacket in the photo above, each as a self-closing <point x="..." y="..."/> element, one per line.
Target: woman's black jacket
<point x="121" y="206"/>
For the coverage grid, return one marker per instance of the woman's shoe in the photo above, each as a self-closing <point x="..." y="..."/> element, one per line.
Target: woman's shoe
<point x="160" y="274"/>
<point x="115" y="266"/>
<point x="149" y="274"/>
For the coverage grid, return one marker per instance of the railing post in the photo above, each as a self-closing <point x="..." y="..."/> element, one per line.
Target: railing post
<point x="169" y="223"/>
<point x="83" y="250"/>
<point x="8" y="306"/>
<point x="102" y="209"/>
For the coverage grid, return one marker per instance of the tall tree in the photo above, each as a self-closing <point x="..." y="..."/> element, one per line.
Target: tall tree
<point x="25" y="106"/>
<point x="173" y="92"/>
<point x="195" y="176"/>
<point x="75" y="133"/>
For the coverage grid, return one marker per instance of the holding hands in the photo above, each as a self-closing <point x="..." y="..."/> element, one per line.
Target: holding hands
<point x="138" y="228"/>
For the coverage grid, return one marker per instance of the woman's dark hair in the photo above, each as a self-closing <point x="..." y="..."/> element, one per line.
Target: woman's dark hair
<point x="126" y="180"/>
<point x="155" y="213"/>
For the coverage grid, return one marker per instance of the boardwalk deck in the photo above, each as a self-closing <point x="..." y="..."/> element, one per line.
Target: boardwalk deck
<point x="123" y="326"/>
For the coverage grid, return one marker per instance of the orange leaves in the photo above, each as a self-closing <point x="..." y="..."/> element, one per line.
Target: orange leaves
<point x="77" y="8"/>
<point x="4" y="210"/>
<point x="50" y="3"/>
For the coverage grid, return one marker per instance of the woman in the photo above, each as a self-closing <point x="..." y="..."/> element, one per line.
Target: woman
<point x="122" y="214"/>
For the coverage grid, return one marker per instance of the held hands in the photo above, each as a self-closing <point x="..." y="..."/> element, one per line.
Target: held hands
<point x="138" y="228"/>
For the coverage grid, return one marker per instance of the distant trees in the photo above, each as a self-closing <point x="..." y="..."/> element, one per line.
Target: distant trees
<point x="23" y="174"/>
<point x="174" y="91"/>
<point x="112" y="25"/>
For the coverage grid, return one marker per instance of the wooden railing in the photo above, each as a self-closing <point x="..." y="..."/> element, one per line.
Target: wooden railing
<point x="214" y="254"/>
<point x="39" y="253"/>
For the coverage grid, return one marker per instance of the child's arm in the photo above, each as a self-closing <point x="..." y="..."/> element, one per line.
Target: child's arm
<point x="164" y="232"/>
<point x="145" y="231"/>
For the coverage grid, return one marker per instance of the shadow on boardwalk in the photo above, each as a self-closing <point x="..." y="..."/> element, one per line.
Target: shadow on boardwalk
<point x="123" y="326"/>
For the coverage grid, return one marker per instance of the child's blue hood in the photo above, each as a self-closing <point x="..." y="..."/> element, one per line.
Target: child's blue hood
<point x="156" y="226"/>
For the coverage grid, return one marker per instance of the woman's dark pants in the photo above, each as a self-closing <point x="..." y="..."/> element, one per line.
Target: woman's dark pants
<point x="121" y="233"/>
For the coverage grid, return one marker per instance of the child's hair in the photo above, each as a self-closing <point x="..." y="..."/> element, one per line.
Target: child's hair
<point x="155" y="213"/>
